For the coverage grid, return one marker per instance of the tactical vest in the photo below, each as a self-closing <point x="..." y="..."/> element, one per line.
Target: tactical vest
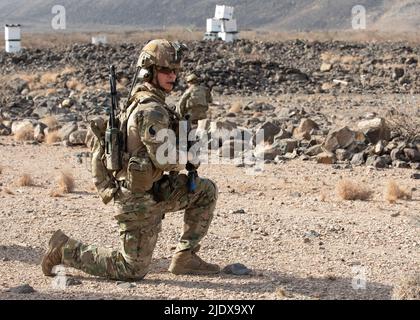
<point x="105" y="180"/>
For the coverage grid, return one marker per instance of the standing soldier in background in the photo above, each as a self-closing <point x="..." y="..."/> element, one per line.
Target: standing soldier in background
<point x="195" y="100"/>
<point x="141" y="191"/>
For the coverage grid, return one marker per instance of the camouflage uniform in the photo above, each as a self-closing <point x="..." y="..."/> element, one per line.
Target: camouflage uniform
<point x="145" y="195"/>
<point x="195" y="101"/>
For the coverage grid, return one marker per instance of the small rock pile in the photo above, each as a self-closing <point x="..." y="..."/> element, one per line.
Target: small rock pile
<point x="296" y="134"/>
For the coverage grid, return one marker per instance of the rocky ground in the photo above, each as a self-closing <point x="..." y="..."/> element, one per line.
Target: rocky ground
<point x="287" y="224"/>
<point x="330" y="111"/>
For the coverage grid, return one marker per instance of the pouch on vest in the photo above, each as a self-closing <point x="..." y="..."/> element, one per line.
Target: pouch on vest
<point x="103" y="179"/>
<point x="139" y="174"/>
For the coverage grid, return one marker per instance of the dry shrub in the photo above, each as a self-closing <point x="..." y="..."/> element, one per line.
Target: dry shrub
<point x="30" y="79"/>
<point x="55" y="193"/>
<point x="74" y="84"/>
<point x="1" y="169"/>
<point x="25" y="134"/>
<point x="330" y="57"/>
<point x="393" y="192"/>
<point x="48" y="78"/>
<point x="8" y="191"/>
<point x="51" y="91"/>
<point x="236" y="107"/>
<point x="349" y="190"/>
<point x="52" y="137"/>
<point x="65" y="182"/>
<point x="350" y="59"/>
<point x="68" y="70"/>
<point x="25" y="181"/>
<point x="408" y="289"/>
<point x="282" y="293"/>
<point x="50" y="121"/>
<point x="124" y="81"/>
<point x="406" y="125"/>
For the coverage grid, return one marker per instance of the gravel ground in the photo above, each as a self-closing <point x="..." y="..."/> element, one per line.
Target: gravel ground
<point x="298" y="237"/>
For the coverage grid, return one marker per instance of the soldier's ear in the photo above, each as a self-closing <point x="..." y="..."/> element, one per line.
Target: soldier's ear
<point x="146" y="74"/>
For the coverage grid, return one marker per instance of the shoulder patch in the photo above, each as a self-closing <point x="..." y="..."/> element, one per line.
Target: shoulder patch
<point x="155" y="115"/>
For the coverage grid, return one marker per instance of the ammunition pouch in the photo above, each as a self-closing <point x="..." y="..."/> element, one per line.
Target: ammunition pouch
<point x="103" y="179"/>
<point x="163" y="188"/>
<point x="139" y="174"/>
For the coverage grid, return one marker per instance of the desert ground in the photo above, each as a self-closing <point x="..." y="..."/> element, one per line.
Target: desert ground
<point x="287" y="224"/>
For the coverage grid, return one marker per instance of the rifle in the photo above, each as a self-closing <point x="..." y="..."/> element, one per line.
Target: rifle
<point x="113" y="137"/>
<point x="192" y="171"/>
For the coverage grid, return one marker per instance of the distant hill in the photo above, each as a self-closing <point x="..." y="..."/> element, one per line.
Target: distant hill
<point x="280" y="15"/>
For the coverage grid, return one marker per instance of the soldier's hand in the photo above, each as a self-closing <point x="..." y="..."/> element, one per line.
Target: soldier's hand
<point x="193" y="159"/>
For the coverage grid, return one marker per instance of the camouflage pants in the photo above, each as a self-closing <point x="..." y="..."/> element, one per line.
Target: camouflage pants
<point x="139" y="218"/>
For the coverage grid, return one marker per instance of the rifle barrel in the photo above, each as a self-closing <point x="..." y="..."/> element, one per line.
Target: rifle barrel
<point x="112" y="82"/>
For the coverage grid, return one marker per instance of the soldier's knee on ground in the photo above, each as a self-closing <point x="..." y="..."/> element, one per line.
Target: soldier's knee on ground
<point x="140" y="271"/>
<point x="134" y="270"/>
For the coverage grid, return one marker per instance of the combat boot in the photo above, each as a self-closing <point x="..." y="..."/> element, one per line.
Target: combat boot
<point x="188" y="262"/>
<point x="54" y="255"/>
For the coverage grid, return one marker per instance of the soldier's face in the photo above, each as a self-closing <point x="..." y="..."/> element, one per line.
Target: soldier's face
<point x="166" y="80"/>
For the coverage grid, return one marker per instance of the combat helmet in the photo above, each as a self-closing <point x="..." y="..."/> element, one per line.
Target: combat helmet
<point x="191" y="78"/>
<point x="161" y="54"/>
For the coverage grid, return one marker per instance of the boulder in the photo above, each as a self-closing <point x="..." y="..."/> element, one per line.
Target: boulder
<point x="67" y="129"/>
<point x="397" y="73"/>
<point x="4" y="130"/>
<point x="40" y="112"/>
<point x="18" y="125"/>
<point x="339" y="139"/>
<point x="412" y="154"/>
<point x="358" y="159"/>
<point x="18" y="85"/>
<point x="325" y="158"/>
<point x="401" y="164"/>
<point x="343" y="154"/>
<point x="39" y="131"/>
<point x="377" y="162"/>
<point x="283" y="134"/>
<point x="286" y="145"/>
<point x="395" y="154"/>
<point x="77" y="137"/>
<point x="301" y="135"/>
<point x="233" y="148"/>
<point x="66" y="103"/>
<point x="314" y="150"/>
<point x="269" y="130"/>
<point x="268" y="152"/>
<point x="237" y="269"/>
<point x="375" y="130"/>
<point x="379" y="148"/>
<point x="306" y="126"/>
<point x="325" y="67"/>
